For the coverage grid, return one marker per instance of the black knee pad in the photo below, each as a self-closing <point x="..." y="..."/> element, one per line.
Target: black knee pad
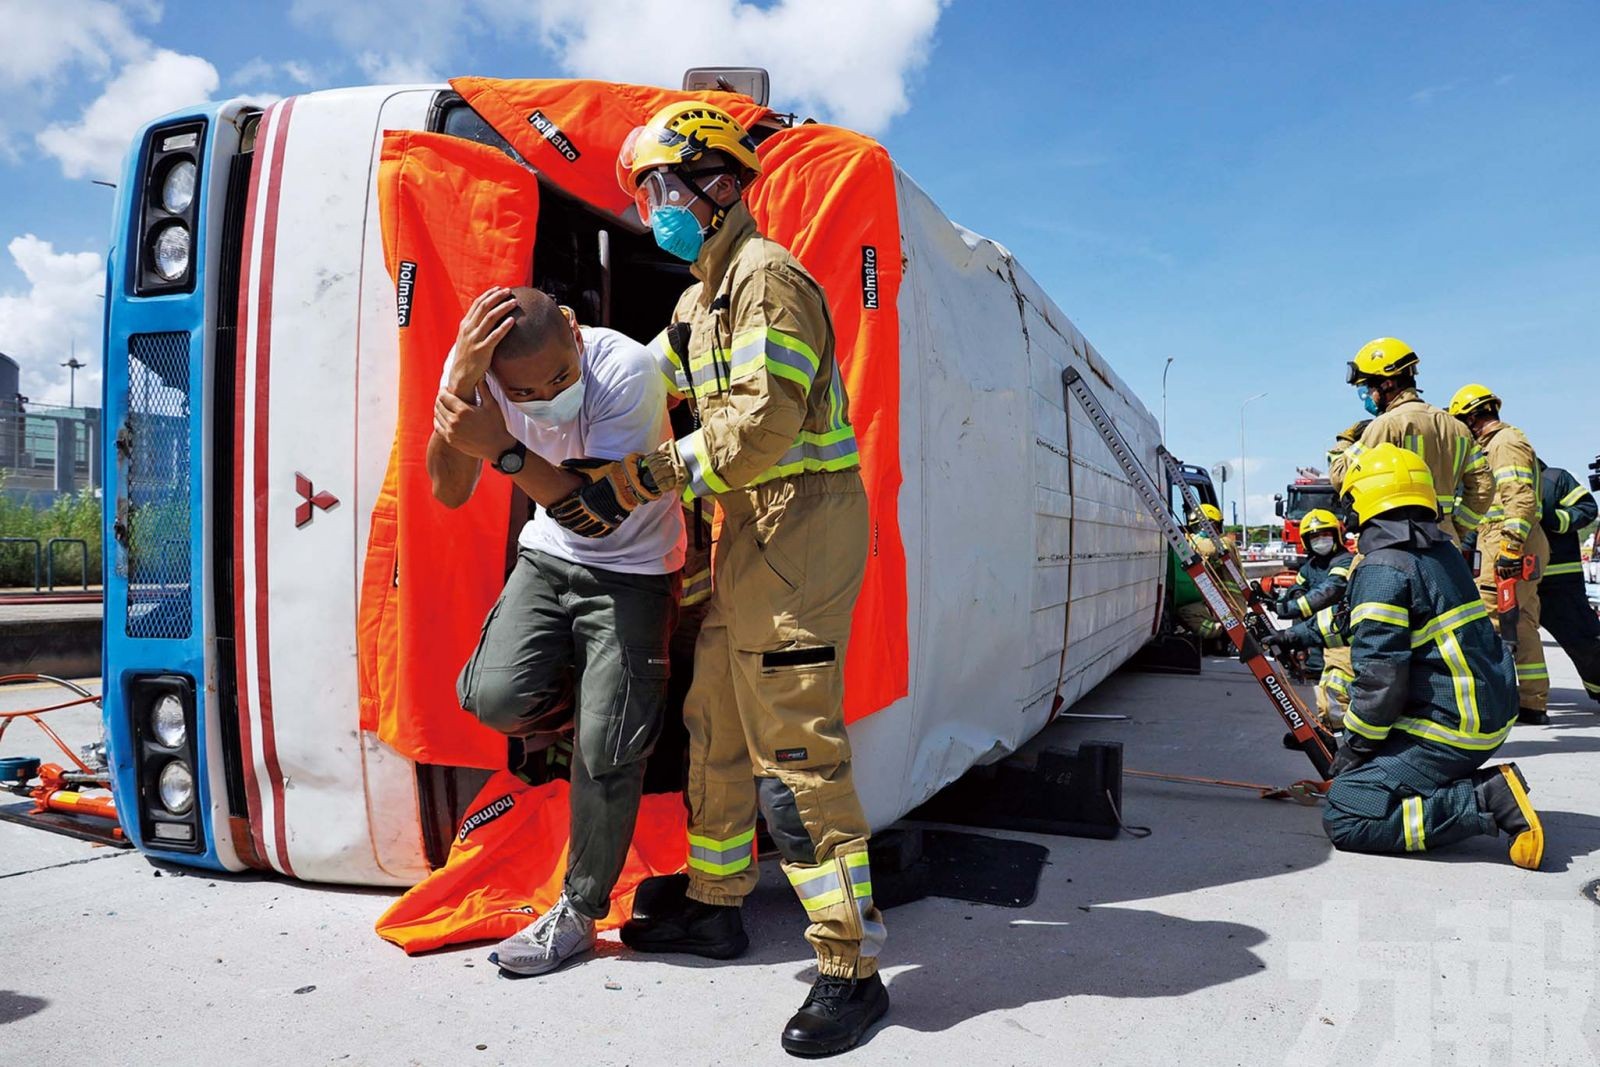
<point x="788" y="831"/>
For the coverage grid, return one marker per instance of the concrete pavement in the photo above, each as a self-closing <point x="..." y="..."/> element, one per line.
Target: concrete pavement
<point x="1232" y="935"/>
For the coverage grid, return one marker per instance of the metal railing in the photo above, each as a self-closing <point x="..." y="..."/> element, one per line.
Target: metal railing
<point x="37" y="553"/>
<point x="50" y="560"/>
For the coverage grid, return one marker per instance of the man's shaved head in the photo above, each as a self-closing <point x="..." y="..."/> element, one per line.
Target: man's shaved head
<point x="539" y="357"/>
<point x="538" y="323"/>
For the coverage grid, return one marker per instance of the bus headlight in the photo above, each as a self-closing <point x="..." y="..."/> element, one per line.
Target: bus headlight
<point x="168" y="722"/>
<point x="177" y="188"/>
<point x="168" y="227"/>
<point x="169" y="251"/>
<point x="176" y="787"/>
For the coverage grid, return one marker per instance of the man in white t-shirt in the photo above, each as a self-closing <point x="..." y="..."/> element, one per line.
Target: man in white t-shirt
<point x="582" y="627"/>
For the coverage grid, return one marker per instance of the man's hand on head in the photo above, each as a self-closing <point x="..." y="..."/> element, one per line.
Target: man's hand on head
<point x="487" y="320"/>
<point x="477" y="430"/>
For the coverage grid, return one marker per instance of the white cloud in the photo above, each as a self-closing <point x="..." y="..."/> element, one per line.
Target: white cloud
<point x="60" y="306"/>
<point x="845" y="60"/>
<point x="145" y="88"/>
<point x="259" y="71"/>
<point x="42" y="40"/>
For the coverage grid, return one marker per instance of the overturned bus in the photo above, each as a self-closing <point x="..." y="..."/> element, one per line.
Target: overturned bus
<point x="282" y="635"/>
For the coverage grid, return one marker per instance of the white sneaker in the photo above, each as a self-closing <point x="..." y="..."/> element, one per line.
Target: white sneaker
<point x="554" y="938"/>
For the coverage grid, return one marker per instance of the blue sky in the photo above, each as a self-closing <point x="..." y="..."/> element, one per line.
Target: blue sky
<point x="1254" y="190"/>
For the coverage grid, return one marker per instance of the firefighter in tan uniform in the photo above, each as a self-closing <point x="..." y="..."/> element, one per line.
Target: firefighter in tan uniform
<point x="1196" y="616"/>
<point x="1511" y="542"/>
<point x="1384" y="374"/>
<point x="751" y="347"/>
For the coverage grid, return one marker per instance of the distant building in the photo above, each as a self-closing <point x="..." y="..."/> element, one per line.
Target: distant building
<point x="46" y="451"/>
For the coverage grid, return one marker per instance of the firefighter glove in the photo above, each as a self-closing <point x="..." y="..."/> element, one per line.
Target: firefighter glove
<point x="1355" y="751"/>
<point x="1288" y="608"/>
<point x="1508" y="564"/>
<point x="611" y="491"/>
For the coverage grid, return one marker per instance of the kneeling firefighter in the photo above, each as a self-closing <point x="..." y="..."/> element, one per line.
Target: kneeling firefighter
<point x="1435" y="691"/>
<point x="1320" y="583"/>
<point x="752" y="348"/>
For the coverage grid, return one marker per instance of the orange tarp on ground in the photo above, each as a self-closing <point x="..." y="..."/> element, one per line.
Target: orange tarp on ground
<point x="826" y="194"/>
<point x="507" y="864"/>
<point x="457" y="217"/>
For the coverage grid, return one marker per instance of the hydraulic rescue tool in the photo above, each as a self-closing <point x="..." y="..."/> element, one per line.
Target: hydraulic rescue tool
<point x="1243" y="623"/>
<point x="1505" y="592"/>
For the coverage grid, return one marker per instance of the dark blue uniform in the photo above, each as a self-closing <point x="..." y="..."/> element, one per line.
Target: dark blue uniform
<point x="1434" y="687"/>
<point x="1320" y="583"/>
<point x="1565" y="609"/>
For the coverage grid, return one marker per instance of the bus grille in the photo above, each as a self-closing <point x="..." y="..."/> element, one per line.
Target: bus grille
<point x="160" y="548"/>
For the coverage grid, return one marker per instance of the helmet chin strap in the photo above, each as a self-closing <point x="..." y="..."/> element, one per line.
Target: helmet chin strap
<point x="719" y="212"/>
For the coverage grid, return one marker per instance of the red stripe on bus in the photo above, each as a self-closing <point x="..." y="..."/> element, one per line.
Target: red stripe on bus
<point x="269" y="240"/>
<point x="241" y="664"/>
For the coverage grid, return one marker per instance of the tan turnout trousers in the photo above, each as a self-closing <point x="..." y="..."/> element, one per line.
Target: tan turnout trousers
<point x="768" y="696"/>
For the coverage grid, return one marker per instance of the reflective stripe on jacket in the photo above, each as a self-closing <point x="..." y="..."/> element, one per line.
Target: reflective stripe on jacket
<point x="759" y="368"/>
<point x="1320" y="582"/>
<point x="1461" y="478"/>
<point x="1426" y="658"/>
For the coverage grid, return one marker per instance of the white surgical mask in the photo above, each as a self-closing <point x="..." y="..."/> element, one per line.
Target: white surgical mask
<point x="1322" y="546"/>
<point x="559" y="411"/>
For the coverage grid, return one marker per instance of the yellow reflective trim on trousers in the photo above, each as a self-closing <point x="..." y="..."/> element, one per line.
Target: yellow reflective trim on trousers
<point x="1411" y="816"/>
<point x="1336" y="680"/>
<point x="817" y="887"/>
<point x="1356" y="724"/>
<point x="1573" y="497"/>
<point x="1433" y="731"/>
<point x="722" y="858"/>
<point x="1575" y="567"/>
<point x="1449" y="622"/>
<point x="1463" y="682"/>
<point x="1373" y="611"/>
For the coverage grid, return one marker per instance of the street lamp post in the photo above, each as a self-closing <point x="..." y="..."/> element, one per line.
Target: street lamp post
<point x="1244" y="487"/>
<point x="1164" y="399"/>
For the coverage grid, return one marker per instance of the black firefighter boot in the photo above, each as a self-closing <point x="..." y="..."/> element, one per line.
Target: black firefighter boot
<point x="837" y="1012"/>
<point x="666" y="920"/>
<point x="1532" y="717"/>
<point x="1503" y="793"/>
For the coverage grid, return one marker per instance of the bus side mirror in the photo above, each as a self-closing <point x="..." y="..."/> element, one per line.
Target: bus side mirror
<point x="748" y="81"/>
<point x="1277" y="504"/>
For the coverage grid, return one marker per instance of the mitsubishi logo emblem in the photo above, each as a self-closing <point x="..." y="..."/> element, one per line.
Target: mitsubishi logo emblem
<point x="303" y="511"/>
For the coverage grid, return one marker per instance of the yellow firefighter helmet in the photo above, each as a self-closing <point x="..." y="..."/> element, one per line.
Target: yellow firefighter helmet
<point x="1318" y="519"/>
<point x="1385" y="357"/>
<point x="1469" y="398"/>
<point x="683" y="133"/>
<point x="1386" y="477"/>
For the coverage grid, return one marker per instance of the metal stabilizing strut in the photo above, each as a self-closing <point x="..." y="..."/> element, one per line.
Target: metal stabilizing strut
<point x="1237" y="619"/>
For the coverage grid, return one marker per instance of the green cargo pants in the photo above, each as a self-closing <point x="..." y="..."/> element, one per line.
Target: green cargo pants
<point x="562" y="629"/>
<point x="1413" y="796"/>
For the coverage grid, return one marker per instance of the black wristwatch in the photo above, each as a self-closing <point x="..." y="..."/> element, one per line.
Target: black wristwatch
<point x="510" y="461"/>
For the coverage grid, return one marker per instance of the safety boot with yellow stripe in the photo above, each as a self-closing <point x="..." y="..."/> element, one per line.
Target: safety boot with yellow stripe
<point x="1502" y="792"/>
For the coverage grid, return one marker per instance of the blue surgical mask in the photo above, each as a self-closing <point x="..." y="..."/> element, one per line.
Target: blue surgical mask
<point x="677" y="231"/>
<point x="1368" y="401"/>
<point x="558" y="410"/>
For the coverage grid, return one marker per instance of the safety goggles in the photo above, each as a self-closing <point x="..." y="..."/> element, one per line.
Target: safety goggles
<point x="663" y="188"/>
<point x="1353" y="374"/>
